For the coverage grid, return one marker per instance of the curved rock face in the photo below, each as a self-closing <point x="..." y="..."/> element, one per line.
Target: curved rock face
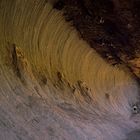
<point x="54" y="86"/>
<point x="111" y="27"/>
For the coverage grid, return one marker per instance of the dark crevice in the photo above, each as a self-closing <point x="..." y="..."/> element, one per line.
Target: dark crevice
<point x="59" y="5"/>
<point x="15" y="61"/>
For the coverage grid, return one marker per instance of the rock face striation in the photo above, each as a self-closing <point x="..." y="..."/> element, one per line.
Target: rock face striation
<point x="111" y="27"/>
<point x="55" y="85"/>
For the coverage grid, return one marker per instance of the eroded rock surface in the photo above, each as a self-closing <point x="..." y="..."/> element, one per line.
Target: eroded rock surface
<point x="54" y="86"/>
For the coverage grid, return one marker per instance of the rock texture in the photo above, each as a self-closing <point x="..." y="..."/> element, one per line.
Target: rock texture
<point x="111" y="27"/>
<point x="54" y="86"/>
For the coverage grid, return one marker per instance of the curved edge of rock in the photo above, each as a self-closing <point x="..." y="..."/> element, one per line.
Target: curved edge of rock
<point x="54" y="86"/>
